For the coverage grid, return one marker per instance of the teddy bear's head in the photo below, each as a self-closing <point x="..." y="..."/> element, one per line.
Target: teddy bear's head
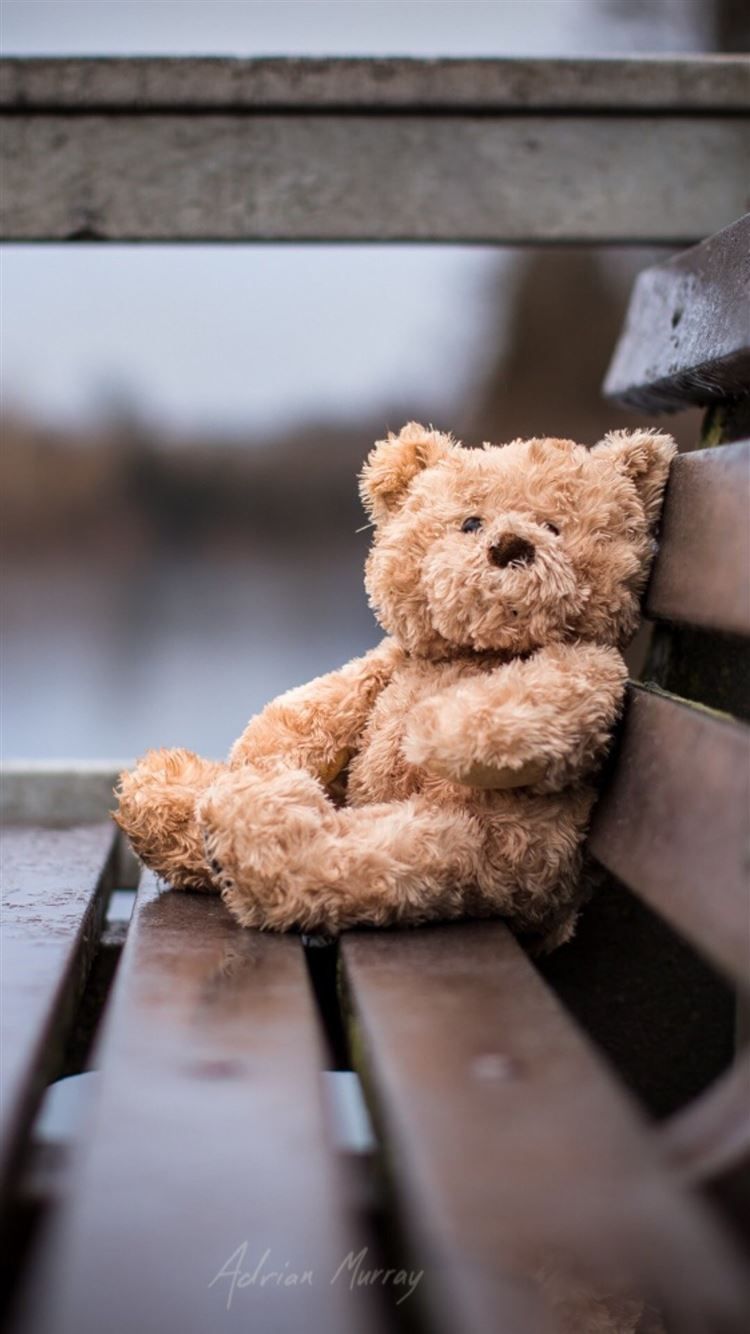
<point x="510" y="547"/>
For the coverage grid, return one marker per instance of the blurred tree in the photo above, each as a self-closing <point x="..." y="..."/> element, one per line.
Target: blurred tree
<point x="731" y="25"/>
<point x="567" y="313"/>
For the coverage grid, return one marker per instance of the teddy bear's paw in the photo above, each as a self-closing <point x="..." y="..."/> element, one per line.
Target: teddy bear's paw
<point x="156" y="810"/>
<point x="257" y="827"/>
<point x="259" y="832"/>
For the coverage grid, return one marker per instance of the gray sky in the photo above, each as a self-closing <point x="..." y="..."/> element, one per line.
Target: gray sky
<point x="345" y="27"/>
<point x="255" y="337"/>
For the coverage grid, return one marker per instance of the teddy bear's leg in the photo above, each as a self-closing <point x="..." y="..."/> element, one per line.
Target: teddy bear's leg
<point x="157" y="812"/>
<point x="289" y="858"/>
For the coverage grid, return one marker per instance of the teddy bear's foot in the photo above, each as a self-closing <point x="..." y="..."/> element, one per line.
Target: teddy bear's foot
<point x="157" y="812"/>
<point x="290" y="859"/>
<point x="257" y="825"/>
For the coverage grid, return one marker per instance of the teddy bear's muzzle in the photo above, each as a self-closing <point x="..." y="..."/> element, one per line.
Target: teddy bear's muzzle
<point x="511" y="550"/>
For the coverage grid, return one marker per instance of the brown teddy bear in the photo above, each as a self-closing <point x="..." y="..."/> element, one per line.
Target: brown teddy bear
<point x="507" y="580"/>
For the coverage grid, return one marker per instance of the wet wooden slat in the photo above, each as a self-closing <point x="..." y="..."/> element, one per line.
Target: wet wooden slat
<point x="54" y="886"/>
<point x="684" y="83"/>
<point x="296" y="176"/>
<point x="687" y="333"/>
<point x="207" y="1143"/>
<point x="674" y="822"/>
<point x="701" y="572"/>
<point x="508" y="1144"/>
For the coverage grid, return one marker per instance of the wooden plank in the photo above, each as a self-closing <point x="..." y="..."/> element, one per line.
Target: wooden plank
<point x="54" y="885"/>
<point x="63" y="794"/>
<point x="708" y="1143"/>
<point x="701" y="572"/>
<point x="508" y="1144"/>
<point x="710" y="1139"/>
<point x="295" y="177"/>
<point x="207" y="1150"/>
<point x="674" y="822"/>
<point x="660" y="1012"/>
<point x="654" y="83"/>
<point x="687" y="333"/>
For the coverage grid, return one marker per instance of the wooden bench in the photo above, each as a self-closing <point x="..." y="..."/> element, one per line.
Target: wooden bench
<point x="584" y="1115"/>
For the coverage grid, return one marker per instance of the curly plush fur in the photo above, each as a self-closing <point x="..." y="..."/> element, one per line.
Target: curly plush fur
<point x="508" y="579"/>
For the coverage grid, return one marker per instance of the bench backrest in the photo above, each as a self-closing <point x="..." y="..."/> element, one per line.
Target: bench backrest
<point x="674" y="821"/>
<point x="494" y="151"/>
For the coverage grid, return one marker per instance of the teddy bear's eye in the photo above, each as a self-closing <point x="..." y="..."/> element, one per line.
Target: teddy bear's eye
<point x="552" y="527"/>
<point x="471" y="525"/>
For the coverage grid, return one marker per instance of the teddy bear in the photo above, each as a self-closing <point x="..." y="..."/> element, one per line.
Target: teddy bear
<point x="451" y="770"/>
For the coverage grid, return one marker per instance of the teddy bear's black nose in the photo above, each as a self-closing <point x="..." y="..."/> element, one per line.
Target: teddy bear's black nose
<point x="511" y="550"/>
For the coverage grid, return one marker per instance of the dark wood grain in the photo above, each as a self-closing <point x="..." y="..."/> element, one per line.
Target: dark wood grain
<point x="54" y="887"/>
<point x="208" y="1137"/>
<point x="702" y="572"/>
<point x="682" y="83"/>
<point x="507" y="1143"/>
<point x="674" y="822"/>
<point x="687" y="332"/>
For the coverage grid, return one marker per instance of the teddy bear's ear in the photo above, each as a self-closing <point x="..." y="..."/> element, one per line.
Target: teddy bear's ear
<point x="644" y="457"/>
<point x="394" y="463"/>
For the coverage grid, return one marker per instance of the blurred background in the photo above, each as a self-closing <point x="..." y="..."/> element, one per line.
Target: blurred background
<point x="182" y="427"/>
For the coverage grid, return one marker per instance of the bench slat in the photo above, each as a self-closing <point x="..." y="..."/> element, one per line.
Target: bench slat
<point x="709" y="1140"/>
<point x="54" y="887"/>
<point x="208" y="1137"/>
<point x="684" y="83"/>
<point x="506" y="1139"/>
<point x="708" y="1143"/>
<point x="135" y="176"/>
<point x="687" y="332"/>
<point x="48" y="793"/>
<point x="701" y="573"/>
<point x="674" y="822"/>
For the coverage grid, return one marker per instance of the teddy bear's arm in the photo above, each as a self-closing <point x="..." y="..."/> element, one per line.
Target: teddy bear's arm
<point x="317" y="726"/>
<point x="540" y="722"/>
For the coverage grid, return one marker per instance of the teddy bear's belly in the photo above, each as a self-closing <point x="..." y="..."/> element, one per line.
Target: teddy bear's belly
<point x="379" y="772"/>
